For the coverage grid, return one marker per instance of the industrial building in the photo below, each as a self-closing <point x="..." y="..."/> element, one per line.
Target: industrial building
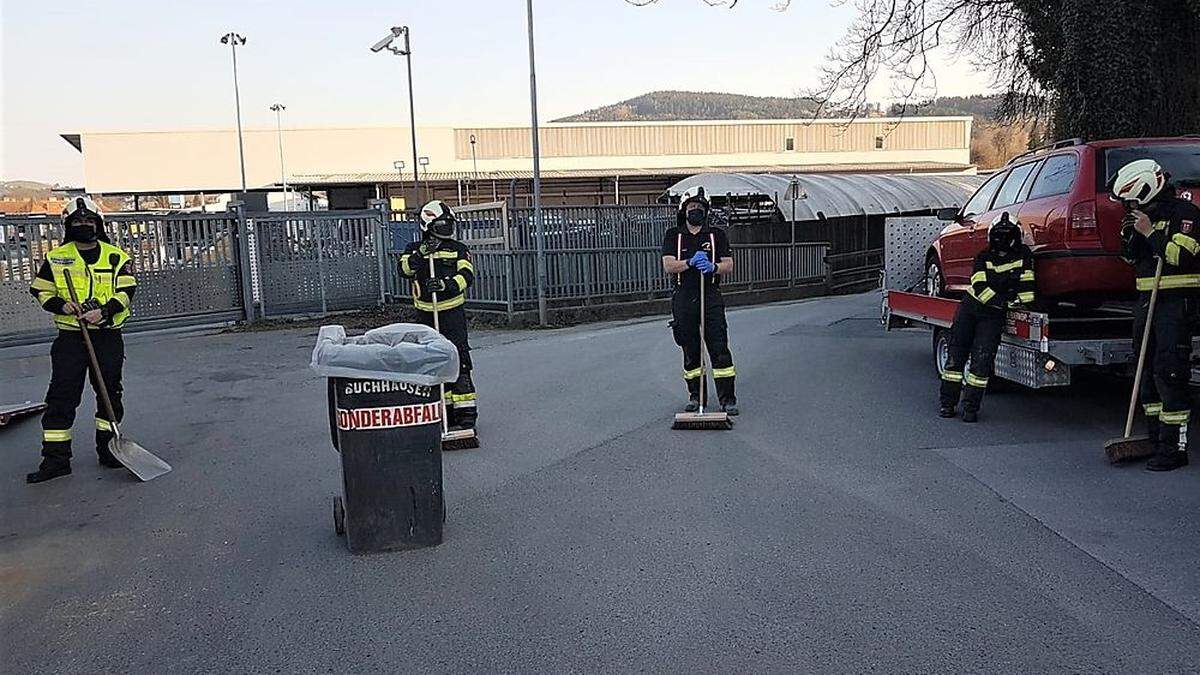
<point x="582" y="164"/>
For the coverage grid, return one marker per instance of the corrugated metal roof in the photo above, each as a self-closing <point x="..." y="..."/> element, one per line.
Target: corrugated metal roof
<point x="450" y="176"/>
<point x="840" y="195"/>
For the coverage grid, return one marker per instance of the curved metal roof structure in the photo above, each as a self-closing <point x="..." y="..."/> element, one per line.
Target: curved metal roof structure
<point x="840" y="195"/>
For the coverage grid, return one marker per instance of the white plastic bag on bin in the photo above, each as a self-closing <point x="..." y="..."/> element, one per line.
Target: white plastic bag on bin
<point x="399" y="352"/>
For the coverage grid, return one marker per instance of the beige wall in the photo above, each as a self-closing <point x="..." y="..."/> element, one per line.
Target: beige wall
<point x="187" y="161"/>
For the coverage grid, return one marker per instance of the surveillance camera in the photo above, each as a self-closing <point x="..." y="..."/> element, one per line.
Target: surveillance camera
<point x="383" y="44"/>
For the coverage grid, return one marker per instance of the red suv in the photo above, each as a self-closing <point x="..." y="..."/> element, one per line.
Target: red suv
<point x="1059" y="196"/>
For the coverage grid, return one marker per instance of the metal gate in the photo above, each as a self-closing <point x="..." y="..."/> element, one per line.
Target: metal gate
<point x="186" y="267"/>
<point x="316" y="262"/>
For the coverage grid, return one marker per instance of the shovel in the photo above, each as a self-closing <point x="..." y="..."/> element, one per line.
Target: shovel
<point x="140" y="461"/>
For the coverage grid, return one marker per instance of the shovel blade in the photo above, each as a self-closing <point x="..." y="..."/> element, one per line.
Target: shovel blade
<point x="140" y="461"/>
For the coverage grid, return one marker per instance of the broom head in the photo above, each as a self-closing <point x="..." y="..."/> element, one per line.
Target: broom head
<point x="1128" y="449"/>
<point x="706" y="421"/>
<point x="459" y="439"/>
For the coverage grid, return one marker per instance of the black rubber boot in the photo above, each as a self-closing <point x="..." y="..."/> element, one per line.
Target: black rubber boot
<point x="947" y="411"/>
<point x="48" y="471"/>
<point x="730" y="408"/>
<point x="693" y="405"/>
<point x="1167" y="461"/>
<point x="970" y="416"/>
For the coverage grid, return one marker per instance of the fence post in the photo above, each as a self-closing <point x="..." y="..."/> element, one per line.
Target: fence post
<point x="828" y="272"/>
<point x="242" y="249"/>
<point x="320" y="223"/>
<point x="382" y="244"/>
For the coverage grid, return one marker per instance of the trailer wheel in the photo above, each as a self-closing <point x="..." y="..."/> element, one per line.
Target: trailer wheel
<point x="941" y="349"/>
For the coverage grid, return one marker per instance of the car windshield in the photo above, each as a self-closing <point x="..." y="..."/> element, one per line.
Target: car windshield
<point x="1182" y="161"/>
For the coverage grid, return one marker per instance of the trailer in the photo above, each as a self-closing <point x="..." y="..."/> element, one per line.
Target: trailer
<point x="1038" y="349"/>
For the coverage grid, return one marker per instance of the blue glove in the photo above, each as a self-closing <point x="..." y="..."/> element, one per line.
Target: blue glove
<point x="701" y="262"/>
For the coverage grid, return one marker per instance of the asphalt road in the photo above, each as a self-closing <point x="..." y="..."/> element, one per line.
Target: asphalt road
<point x="842" y="526"/>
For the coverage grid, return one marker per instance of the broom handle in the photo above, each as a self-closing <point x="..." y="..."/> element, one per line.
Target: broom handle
<point x="1141" y="363"/>
<point x="703" y="349"/>
<point x="438" y="328"/>
<point x="87" y="342"/>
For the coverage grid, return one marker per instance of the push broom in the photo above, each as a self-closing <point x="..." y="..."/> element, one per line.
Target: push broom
<point x="1128" y="448"/>
<point x="702" y="420"/>
<point x="459" y="439"/>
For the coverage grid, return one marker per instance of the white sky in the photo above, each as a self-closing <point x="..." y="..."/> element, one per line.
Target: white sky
<point x="70" y="65"/>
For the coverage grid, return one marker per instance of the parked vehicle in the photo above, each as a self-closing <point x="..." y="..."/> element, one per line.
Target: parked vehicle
<point x="1059" y="195"/>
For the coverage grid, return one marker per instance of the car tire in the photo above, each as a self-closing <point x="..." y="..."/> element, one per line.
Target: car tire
<point x="935" y="281"/>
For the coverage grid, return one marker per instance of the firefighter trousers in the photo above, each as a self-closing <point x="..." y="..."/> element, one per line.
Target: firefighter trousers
<point x="69" y="365"/>
<point x="1164" y="392"/>
<point x="685" y="326"/>
<point x="974" y="335"/>
<point x="460" y="395"/>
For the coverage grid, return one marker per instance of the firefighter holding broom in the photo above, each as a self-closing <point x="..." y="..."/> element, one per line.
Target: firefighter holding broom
<point x="441" y="269"/>
<point x="85" y="280"/>
<point x="1162" y="229"/>
<point x="697" y="254"/>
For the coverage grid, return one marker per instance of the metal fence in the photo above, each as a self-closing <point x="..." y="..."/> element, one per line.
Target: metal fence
<point x="190" y="269"/>
<point x="596" y="255"/>
<point x="316" y="262"/>
<point x="186" y="265"/>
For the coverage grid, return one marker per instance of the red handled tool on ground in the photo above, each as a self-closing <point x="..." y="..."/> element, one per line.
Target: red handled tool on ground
<point x="452" y="439"/>
<point x="1128" y="447"/>
<point x="140" y="461"/>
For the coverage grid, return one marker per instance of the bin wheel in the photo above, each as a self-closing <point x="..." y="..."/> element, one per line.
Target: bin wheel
<point x="339" y="516"/>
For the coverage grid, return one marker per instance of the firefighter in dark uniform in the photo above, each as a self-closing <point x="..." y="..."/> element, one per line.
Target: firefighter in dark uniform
<point x="104" y="284"/>
<point x="1002" y="277"/>
<point x="695" y="252"/>
<point x="1161" y="225"/>
<point x="453" y="274"/>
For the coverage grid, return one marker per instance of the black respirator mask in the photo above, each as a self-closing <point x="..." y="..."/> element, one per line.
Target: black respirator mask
<point x="82" y="231"/>
<point x="696" y="217"/>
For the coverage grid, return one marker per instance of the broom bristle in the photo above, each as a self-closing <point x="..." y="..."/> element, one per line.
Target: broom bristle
<point x="1120" y="450"/>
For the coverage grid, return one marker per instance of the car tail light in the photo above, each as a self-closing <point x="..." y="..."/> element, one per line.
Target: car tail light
<point x="1083" y="218"/>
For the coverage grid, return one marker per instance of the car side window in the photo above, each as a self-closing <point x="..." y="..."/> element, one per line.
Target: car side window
<point x="1056" y="176"/>
<point x="983" y="198"/>
<point x="1012" y="186"/>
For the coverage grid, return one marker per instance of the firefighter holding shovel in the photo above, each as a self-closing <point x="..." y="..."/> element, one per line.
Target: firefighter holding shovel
<point x="98" y="275"/>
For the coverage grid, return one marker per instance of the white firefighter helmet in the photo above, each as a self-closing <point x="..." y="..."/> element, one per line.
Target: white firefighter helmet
<point x="79" y="207"/>
<point x="689" y="197"/>
<point x="437" y="219"/>
<point x="1139" y="181"/>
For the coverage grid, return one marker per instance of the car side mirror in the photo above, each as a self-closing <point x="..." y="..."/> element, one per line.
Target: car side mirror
<point x="949" y="213"/>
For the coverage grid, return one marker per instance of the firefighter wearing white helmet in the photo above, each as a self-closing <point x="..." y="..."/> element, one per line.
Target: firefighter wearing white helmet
<point x="104" y="285"/>
<point x="694" y="252"/>
<point x="453" y="273"/>
<point x="1159" y="225"/>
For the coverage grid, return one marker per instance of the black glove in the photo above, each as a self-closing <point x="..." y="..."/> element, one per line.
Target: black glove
<point x="90" y="304"/>
<point x="437" y="285"/>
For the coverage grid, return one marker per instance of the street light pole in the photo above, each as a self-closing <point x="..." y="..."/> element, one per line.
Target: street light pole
<point x="537" y="176"/>
<point x="279" y="108"/>
<point x="234" y="41"/>
<point x="406" y="52"/>
<point x="474" y="166"/>
<point x="398" y="165"/>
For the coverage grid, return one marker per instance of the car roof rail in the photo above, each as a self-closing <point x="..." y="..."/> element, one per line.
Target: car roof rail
<point x="1070" y="142"/>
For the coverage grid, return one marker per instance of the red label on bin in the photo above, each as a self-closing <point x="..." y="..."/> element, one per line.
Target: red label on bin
<point x="389" y="417"/>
